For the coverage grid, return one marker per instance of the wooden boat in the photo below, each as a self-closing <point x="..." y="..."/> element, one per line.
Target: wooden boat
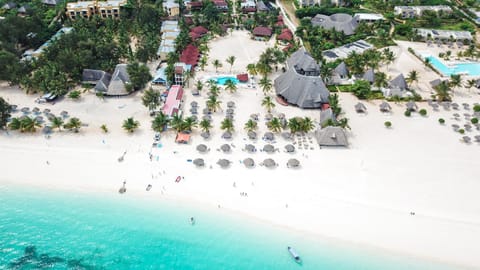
<point x="294" y="254"/>
<point x="178" y="179"/>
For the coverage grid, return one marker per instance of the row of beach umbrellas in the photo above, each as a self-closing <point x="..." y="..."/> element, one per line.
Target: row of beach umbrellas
<point x="249" y="163"/>
<point x="250" y="148"/>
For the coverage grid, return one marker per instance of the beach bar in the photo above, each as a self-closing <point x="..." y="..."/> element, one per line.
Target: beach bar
<point x="173" y="101"/>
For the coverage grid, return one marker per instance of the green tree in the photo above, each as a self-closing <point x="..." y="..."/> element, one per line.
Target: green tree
<point x="294" y="124"/>
<point x="251" y="125"/>
<point x="199" y="85"/>
<point x="203" y="62"/>
<point x="130" y="124"/>
<point x="75" y="95"/>
<point x="5" y="110"/>
<point x="216" y="64"/>
<point x="252" y="69"/>
<point x="74" y="124"/>
<point x="231" y="60"/>
<point x="230" y="86"/>
<point x="274" y="125"/>
<point x="177" y="122"/>
<point x="227" y="125"/>
<point x="387" y="124"/>
<point x="213" y="104"/>
<point x="361" y="89"/>
<point x="455" y="81"/>
<point x="205" y="125"/>
<point x="307" y="125"/>
<point x="139" y="75"/>
<point x="266" y="85"/>
<point x="188" y="124"/>
<point x="29" y="124"/>
<point x="15" y="124"/>
<point x="470" y="83"/>
<point x="267" y="102"/>
<point x="57" y="122"/>
<point x="412" y="76"/>
<point x="160" y="122"/>
<point x="380" y="80"/>
<point x="151" y="99"/>
<point x="389" y="56"/>
<point x="104" y="128"/>
<point x="343" y="123"/>
<point x="335" y="104"/>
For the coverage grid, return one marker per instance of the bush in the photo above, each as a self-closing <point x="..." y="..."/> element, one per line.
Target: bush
<point x="408" y="113"/>
<point x="423" y="112"/>
<point x="474" y="120"/>
<point x="388" y="124"/>
<point x="441" y="121"/>
<point x="461" y="131"/>
<point x="476" y="108"/>
<point x="74" y="94"/>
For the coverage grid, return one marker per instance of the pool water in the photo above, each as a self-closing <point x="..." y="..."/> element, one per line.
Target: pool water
<point x="472" y="69"/>
<point x="223" y="80"/>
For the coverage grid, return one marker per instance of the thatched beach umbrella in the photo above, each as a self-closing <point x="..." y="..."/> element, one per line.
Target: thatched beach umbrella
<point x="25" y="110"/>
<point x="293" y="163"/>
<point x="202" y="148"/>
<point x="268" y="148"/>
<point x="455" y="106"/>
<point x="385" y="107"/>
<point x="224" y="163"/>
<point x="446" y="105"/>
<point x="268" y="116"/>
<point x="269" y="136"/>
<point x="252" y="135"/>
<point x="36" y="110"/>
<point x="225" y="148"/>
<point x="477" y="138"/>
<point x="39" y="119"/>
<point x="13" y="108"/>
<point x="468" y="127"/>
<point x="254" y="116"/>
<point x="207" y="117"/>
<point x="206" y="111"/>
<point x="64" y="114"/>
<point x="466" y="139"/>
<point x="230" y="104"/>
<point x="194" y="104"/>
<point x="455" y="127"/>
<point x="467" y="115"/>
<point x="205" y="135"/>
<point x="466" y="106"/>
<point x="199" y="162"/>
<point x="269" y="163"/>
<point x="411" y="106"/>
<point x="289" y="148"/>
<point x="46" y="111"/>
<point x="47" y="130"/>
<point x="287" y="135"/>
<point x="248" y="162"/>
<point x="360" y="108"/>
<point x="227" y="135"/>
<point x="435" y="106"/>
<point x="250" y="148"/>
<point x="229" y="116"/>
<point x="281" y="116"/>
<point x="230" y="111"/>
<point x="194" y="110"/>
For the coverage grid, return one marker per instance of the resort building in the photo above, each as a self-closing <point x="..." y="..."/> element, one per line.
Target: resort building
<point x="308" y="3"/>
<point x="446" y="35"/>
<point x="85" y="9"/>
<point x="192" y="6"/>
<point x="285" y="36"/>
<point x="301" y="84"/>
<point x="173" y="101"/>
<point x="190" y="55"/>
<point x="340" y="22"/>
<point x="396" y="87"/>
<point x="51" y="2"/>
<point x="9" y="6"/>
<point x="342" y="52"/>
<point x="221" y="5"/>
<point x="368" y="17"/>
<point x="181" y="72"/>
<point x="171" y="7"/>
<point x="340" y="75"/>
<point x="169" y="26"/>
<point x="410" y="12"/>
<point x="166" y="46"/>
<point x="99" y="78"/>
<point x="331" y="136"/>
<point x="160" y="77"/>
<point x="32" y="54"/>
<point x="117" y="84"/>
<point x="248" y="6"/>
<point x="262" y="33"/>
<point x="198" y="32"/>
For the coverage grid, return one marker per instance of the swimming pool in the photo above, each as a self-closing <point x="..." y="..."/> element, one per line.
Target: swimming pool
<point x="472" y="69"/>
<point x="223" y="80"/>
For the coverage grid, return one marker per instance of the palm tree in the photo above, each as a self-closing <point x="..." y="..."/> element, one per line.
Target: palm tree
<point x="426" y="62"/>
<point x="151" y="99"/>
<point x="203" y="62"/>
<point x="57" y="122"/>
<point x="227" y="125"/>
<point x="294" y="124"/>
<point x="251" y="125"/>
<point x="263" y="68"/>
<point x="213" y="103"/>
<point x="268" y="103"/>
<point x="443" y="91"/>
<point x="214" y="90"/>
<point x="199" y="85"/>
<point x="205" y="125"/>
<point x="130" y="124"/>
<point x="274" y="125"/>
<point x="343" y="123"/>
<point x="389" y="56"/>
<point x="160" y="122"/>
<point x="380" y="80"/>
<point x="188" y="124"/>
<point x="15" y="124"/>
<point x="307" y="125"/>
<point x="412" y="77"/>
<point x="230" y="86"/>
<point x="104" y="128"/>
<point x="176" y="122"/>
<point x="252" y="69"/>
<point x="335" y="104"/>
<point x="470" y="84"/>
<point x="73" y="124"/>
<point x="217" y="64"/>
<point x="455" y="80"/>
<point x="266" y="85"/>
<point x="231" y="60"/>
<point x="28" y="124"/>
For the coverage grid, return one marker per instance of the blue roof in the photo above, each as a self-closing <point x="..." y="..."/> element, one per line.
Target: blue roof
<point x="160" y="76"/>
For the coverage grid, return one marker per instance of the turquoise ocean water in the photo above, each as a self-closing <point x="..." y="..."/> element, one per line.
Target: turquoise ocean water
<point x="53" y="230"/>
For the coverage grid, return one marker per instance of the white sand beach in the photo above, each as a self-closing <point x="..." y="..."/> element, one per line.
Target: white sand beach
<point x="363" y="195"/>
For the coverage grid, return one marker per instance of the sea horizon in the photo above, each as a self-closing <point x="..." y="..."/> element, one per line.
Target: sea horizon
<point x="60" y="230"/>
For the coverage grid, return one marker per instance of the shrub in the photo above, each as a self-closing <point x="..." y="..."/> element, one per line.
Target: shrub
<point x="441" y="121"/>
<point x="474" y="120"/>
<point x="408" y="113"/>
<point x="104" y="128"/>
<point x="476" y="108"/>
<point x="388" y="124"/>
<point x="423" y="112"/>
<point x="461" y="131"/>
<point x="74" y="95"/>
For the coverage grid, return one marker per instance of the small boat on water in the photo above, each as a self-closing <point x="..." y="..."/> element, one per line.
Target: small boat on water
<point x="294" y="254"/>
<point x="149" y="187"/>
<point x="192" y="221"/>
<point x="178" y="179"/>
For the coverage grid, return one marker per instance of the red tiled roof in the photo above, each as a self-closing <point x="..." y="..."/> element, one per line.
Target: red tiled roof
<point x="243" y="77"/>
<point x="289" y="46"/>
<point x="196" y="4"/>
<point x="220" y="3"/>
<point x="178" y="70"/>
<point x="199" y="30"/>
<point x="279" y="23"/>
<point x="262" y="31"/>
<point x="182" y="138"/>
<point x="188" y="20"/>
<point x="194" y="35"/>
<point x="285" y="35"/>
<point x="280" y="18"/>
<point x="190" y="55"/>
<point x="249" y="9"/>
